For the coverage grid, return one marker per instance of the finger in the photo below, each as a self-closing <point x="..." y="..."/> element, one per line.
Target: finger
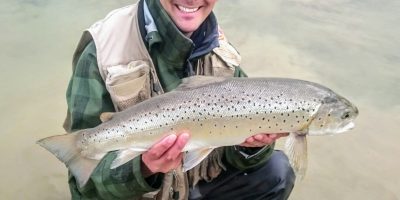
<point x="278" y="135"/>
<point x="283" y="134"/>
<point x="249" y="140"/>
<point x="176" y="149"/>
<point x="158" y="149"/>
<point x="178" y="161"/>
<point x="252" y="144"/>
<point x="258" y="144"/>
<point x="264" y="139"/>
<point x="268" y="139"/>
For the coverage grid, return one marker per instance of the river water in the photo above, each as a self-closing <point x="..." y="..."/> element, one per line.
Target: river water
<point x="350" y="46"/>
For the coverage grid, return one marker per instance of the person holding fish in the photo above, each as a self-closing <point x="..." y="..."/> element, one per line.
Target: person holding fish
<point x="141" y="51"/>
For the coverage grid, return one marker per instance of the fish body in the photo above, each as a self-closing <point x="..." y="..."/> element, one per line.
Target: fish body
<point x="218" y="112"/>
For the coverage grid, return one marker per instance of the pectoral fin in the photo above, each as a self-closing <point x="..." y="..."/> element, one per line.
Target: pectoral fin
<point x="125" y="155"/>
<point x="296" y="150"/>
<point x="193" y="158"/>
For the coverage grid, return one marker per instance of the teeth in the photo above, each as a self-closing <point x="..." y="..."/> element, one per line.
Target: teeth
<point x="188" y="10"/>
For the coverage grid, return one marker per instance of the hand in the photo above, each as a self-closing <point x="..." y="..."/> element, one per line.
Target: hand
<point x="262" y="139"/>
<point x="165" y="155"/>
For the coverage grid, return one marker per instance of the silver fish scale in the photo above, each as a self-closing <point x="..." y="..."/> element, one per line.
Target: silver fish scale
<point x="267" y="105"/>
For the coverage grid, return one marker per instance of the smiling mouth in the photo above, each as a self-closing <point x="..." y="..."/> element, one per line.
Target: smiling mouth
<point x="187" y="10"/>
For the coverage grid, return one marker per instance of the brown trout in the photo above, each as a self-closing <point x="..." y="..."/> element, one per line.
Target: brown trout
<point x="218" y="112"/>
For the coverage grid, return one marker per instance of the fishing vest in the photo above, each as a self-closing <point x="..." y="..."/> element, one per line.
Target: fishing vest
<point x="130" y="77"/>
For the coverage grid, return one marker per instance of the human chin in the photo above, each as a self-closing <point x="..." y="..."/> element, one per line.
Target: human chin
<point x="187" y="26"/>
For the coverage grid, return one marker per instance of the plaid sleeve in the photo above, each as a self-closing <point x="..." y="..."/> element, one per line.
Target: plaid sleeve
<point x="87" y="98"/>
<point x="245" y="157"/>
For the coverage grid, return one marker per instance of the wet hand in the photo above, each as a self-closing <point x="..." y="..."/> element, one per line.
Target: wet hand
<point x="164" y="155"/>
<point x="262" y="139"/>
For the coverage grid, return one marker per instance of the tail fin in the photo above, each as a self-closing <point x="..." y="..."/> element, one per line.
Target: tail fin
<point x="65" y="149"/>
<point x="296" y="150"/>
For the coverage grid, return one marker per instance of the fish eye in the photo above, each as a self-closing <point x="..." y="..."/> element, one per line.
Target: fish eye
<point x="346" y="115"/>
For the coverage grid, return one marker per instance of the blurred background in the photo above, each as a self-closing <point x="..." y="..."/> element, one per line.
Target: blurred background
<point x="351" y="46"/>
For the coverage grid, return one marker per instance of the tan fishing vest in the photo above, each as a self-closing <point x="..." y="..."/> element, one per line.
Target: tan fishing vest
<point x="130" y="77"/>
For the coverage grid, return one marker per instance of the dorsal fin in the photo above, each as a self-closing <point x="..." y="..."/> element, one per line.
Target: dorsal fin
<point x="193" y="82"/>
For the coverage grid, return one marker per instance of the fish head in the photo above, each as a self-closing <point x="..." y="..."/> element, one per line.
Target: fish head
<point x="335" y="115"/>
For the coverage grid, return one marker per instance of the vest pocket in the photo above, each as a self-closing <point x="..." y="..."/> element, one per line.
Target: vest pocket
<point x="128" y="84"/>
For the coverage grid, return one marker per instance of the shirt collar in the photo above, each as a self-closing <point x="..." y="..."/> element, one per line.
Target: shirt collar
<point x="177" y="43"/>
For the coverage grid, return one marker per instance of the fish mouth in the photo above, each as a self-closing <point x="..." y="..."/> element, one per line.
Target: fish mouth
<point x="347" y="127"/>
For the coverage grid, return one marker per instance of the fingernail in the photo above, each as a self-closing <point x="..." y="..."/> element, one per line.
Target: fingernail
<point x="184" y="136"/>
<point x="171" y="138"/>
<point x="258" y="137"/>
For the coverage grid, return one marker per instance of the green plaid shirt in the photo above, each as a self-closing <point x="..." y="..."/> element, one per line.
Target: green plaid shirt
<point x="87" y="98"/>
